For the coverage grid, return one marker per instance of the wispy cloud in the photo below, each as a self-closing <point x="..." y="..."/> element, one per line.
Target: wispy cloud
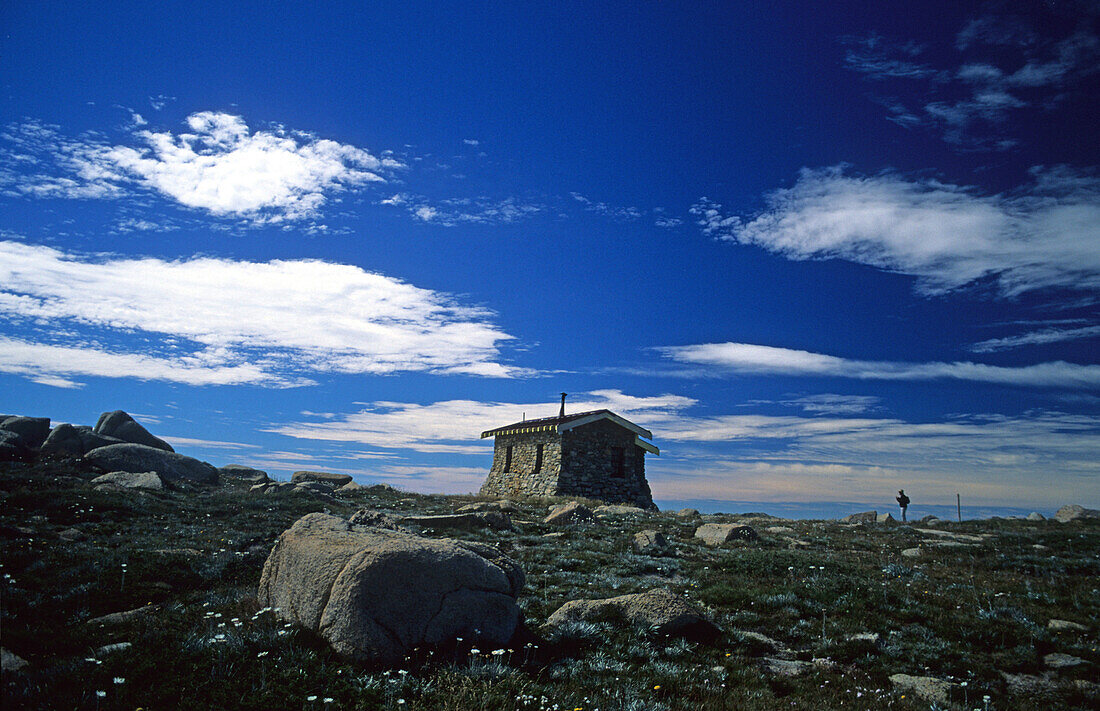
<point x="455" y="211"/>
<point x="615" y="212"/>
<point x="219" y="166"/>
<point x="245" y="322"/>
<point x="832" y="404"/>
<point x="1033" y="338"/>
<point x="1044" y="234"/>
<point x="1003" y="65"/>
<point x="745" y="358"/>
<point x="453" y="426"/>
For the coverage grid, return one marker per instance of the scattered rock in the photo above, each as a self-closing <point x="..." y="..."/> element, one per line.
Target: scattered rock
<point x="869" y="637"/>
<point x="129" y="480"/>
<point x="330" y="480"/>
<point x="715" y="534"/>
<point x="71" y="535"/>
<point x="863" y="517"/>
<point x="121" y="426"/>
<point x="555" y="534"/>
<point x="779" y="529"/>
<point x="465" y="521"/>
<point x="375" y="594"/>
<point x="688" y="513"/>
<point x="573" y="512"/>
<point x="1073" y="512"/>
<point x="885" y="518"/>
<point x="1039" y="547"/>
<point x="928" y="688"/>
<point x="33" y="430"/>
<point x="377" y="519"/>
<point x="911" y="553"/>
<point x="649" y="543"/>
<point x="240" y="471"/>
<point x="1057" y="660"/>
<point x="965" y="537"/>
<point x="136" y="458"/>
<point x="1036" y="516"/>
<point x="10" y="662"/>
<point x="503" y="506"/>
<point x="109" y="649"/>
<point x="618" y="510"/>
<point x="785" y="667"/>
<point x="259" y="488"/>
<point x="121" y="618"/>
<point x="795" y="544"/>
<point x="658" y="611"/>
<point x="1065" y="626"/>
<point x="762" y="642"/>
<point x="1027" y="683"/>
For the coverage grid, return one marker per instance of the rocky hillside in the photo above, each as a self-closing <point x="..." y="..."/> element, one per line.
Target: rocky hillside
<point x="143" y="580"/>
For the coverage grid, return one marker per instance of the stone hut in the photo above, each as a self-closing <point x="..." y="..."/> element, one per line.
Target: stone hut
<point x="596" y="454"/>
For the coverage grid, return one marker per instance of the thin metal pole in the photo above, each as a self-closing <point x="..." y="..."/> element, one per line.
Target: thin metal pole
<point x="959" y="507"/>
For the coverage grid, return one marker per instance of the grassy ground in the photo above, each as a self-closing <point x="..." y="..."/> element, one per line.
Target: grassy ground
<point x="964" y="613"/>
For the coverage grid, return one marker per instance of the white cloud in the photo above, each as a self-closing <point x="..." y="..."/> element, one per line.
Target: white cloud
<point x="1043" y="336"/>
<point x="767" y="360"/>
<point x="455" y="211"/>
<point x="615" y="212"/>
<point x="220" y="166"/>
<point x="832" y="404"/>
<point x="454" y="426"/>
<point x="242" y="322"/>
<point x="471" y="141"/>
<point x="1046" y="234"/>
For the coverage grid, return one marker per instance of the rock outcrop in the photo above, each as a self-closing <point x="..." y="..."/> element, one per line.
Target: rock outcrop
<point x="929" y="688"/>
<point x="120" y="425"/>
<point x="376" y="594"/>
<point x="1073" y="512"/>
<point x="658" y="611"/>
<point x="244" y="473"/>
<point x="332" y="481"/>
<point x="129" y="480"/>
<point x="649" y="543"/>
<point x="33" y="430"/>
<point x="573" y="512"/>
<point x="862" y="517"/>
<point x="135" y="458"/>
<point x="715" y="534"/>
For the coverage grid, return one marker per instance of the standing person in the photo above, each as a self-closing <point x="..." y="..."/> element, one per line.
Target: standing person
<point x="903" y="502"/>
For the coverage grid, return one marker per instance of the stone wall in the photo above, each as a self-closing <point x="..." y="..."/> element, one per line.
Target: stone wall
<point x="587" y="465"/>
<point x="521" y="479"/>
<point x="577" y="462"/>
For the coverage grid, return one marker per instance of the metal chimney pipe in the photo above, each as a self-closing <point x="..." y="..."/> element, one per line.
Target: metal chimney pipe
<point x="562" y="413"/>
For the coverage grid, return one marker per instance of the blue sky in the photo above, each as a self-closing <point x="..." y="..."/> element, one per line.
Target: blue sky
<point x="821" y="252"/>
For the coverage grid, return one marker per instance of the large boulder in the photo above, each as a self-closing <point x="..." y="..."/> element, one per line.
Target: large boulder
<point x="330" y="480"/>
<point x="170" y="466"/>
<point x="129" y="480"/>
<point x="75" y="440"/>
<point x="12" y="447"/>
<point x="658" y="611"/>
<point x="33" y="430"/>
<point x="1073" y="512"/>
<point x="715" y="534"/>
<point x="376" y="594"/>
<point x="121" y="426"/>
<point x="240" y="471"/>
<point x="573" y="512"/>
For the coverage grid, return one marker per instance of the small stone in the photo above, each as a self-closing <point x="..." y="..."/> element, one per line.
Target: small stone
<point x="573" y="512"/>
<point x="649" y="543"/>
<point x="779" y="529"/>
<point x="119" y="618"/>
<point x="785" y="667"/>
<point x="72" y="535"/>
<point x="1058" y="660"/>
<point x="115" y="648"/>
<point x="928" y="688"/>
<point x="911" y="553"/>
<point x="11" y="662"/>
<point x="1065" y="626"/>
<point x="688" y="513"/>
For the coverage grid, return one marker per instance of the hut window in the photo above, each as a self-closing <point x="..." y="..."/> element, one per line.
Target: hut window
<point x="538" y="457"/>
<point x="508" y="459"/>
<point x="618" y="462"/>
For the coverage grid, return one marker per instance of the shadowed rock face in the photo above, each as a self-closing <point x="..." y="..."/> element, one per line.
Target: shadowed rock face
<point x="139" y="458"/>
<point x="33" y="430"/>
<point x="121" y="426"/>
<point x="376" y="594"/>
